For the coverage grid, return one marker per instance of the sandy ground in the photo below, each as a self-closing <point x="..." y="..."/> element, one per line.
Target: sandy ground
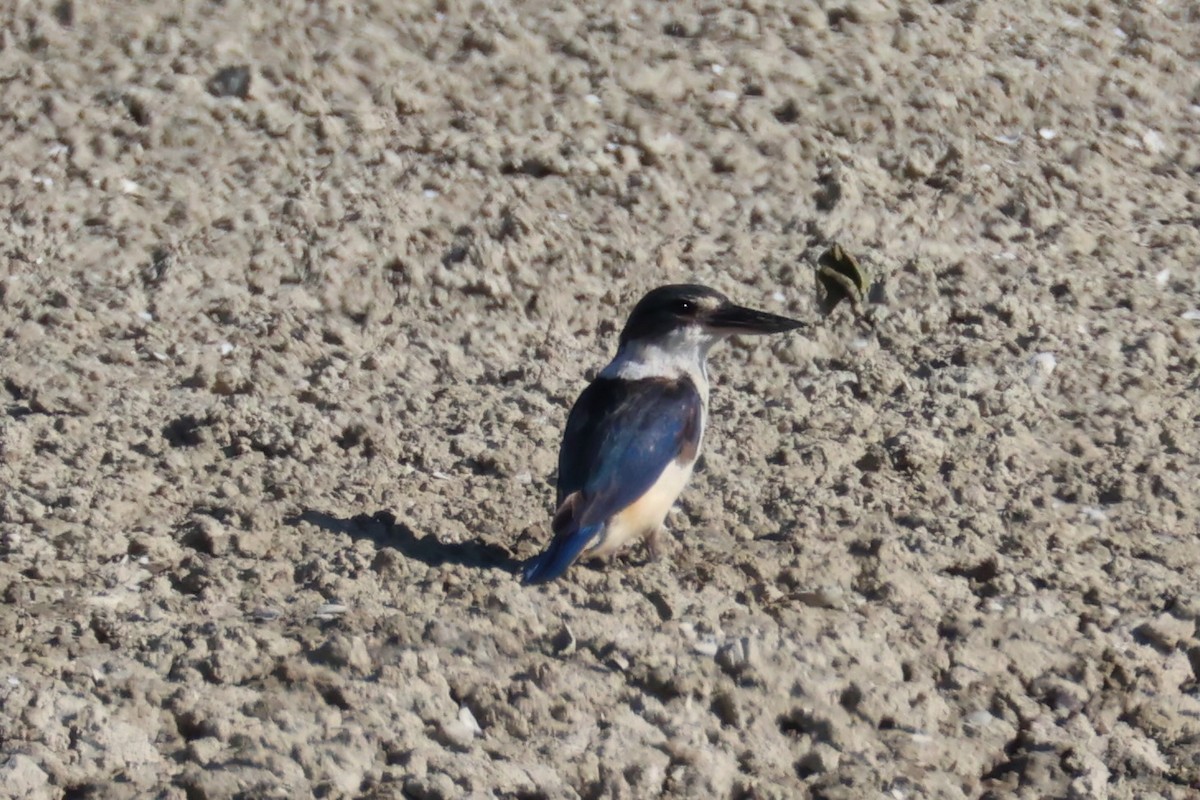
<point x="285" y="367"/>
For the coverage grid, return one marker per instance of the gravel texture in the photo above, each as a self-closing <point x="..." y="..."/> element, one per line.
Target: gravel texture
<point x="295" y="297"/>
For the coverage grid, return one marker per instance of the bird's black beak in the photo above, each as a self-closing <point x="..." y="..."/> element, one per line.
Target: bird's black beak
<point x="733" y="319"/>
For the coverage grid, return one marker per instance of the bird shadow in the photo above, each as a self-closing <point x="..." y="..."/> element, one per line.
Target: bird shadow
<point x="383" y="530"/>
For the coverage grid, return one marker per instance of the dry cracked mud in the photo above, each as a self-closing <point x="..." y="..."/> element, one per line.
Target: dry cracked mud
<point x="294" y="299"/>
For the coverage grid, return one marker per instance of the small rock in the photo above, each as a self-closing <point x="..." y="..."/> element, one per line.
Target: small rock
<point x="564" y="641"/>
<point x="230" y="82"/>
<point x="831" y="597"/>
<point x="735" y="657"/>
<point x="918" y="166"/>
<point x="1153" y="141"/>
<point x="1044" y="362"/>
<point x="206" y="535"/>
<point x="1040" y="368"/>
<point x="455" y="734"/>
<point x="205" y="749"/>
<point x="468" y="719"/>
<point x="978" y="720"/>
<point x="21" y="776"/>
<point x="750" y="654"/>
<point x="344" y="651"/>
<point x="229" y="382"/>
<point x="330" y="611"/>
<point x="617" y="662"/>
<point x="1164" y="632"/>
<point x="744" y="533"/>
<point x="265" y="614"/>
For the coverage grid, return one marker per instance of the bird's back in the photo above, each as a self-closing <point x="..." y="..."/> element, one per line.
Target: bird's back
<point x="622" y="436"/>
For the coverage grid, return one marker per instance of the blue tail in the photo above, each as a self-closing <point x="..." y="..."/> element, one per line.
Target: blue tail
<point x="555" y="559"/>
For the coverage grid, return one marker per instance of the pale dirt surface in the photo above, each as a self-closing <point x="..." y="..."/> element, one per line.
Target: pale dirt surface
<point x="284" y="377"/>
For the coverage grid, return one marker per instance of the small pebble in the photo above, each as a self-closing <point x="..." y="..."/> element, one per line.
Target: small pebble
<point x="978" y="719"/>
<point x="330" y="611"/>
<point x="1046" y="362"/>
<point x="564" y="641"/>
<point x="264" y="614"/>
<point x="230" y="82"/>
<point x="468" y="721"/>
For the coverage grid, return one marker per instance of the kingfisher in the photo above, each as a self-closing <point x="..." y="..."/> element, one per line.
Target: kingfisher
<point x="634" y="434"/>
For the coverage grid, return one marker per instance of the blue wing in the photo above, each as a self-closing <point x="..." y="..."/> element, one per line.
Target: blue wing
<point x="620" y="437"/>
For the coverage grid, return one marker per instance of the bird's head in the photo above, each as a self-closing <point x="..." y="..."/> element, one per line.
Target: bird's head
<point x="688" y="315"/>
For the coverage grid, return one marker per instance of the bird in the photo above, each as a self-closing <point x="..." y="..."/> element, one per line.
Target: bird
<point x="633" y="436"/>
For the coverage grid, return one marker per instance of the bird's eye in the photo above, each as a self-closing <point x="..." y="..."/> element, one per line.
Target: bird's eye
<point x="684" y="306"/>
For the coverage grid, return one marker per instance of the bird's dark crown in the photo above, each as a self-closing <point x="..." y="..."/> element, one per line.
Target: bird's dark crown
<point x="670" y="307"/>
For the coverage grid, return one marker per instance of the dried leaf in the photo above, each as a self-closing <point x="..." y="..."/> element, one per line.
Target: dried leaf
<point x="840" y="277"/>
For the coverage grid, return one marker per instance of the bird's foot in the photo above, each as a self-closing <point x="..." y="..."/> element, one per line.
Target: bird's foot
<point x="656" y="544"/>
